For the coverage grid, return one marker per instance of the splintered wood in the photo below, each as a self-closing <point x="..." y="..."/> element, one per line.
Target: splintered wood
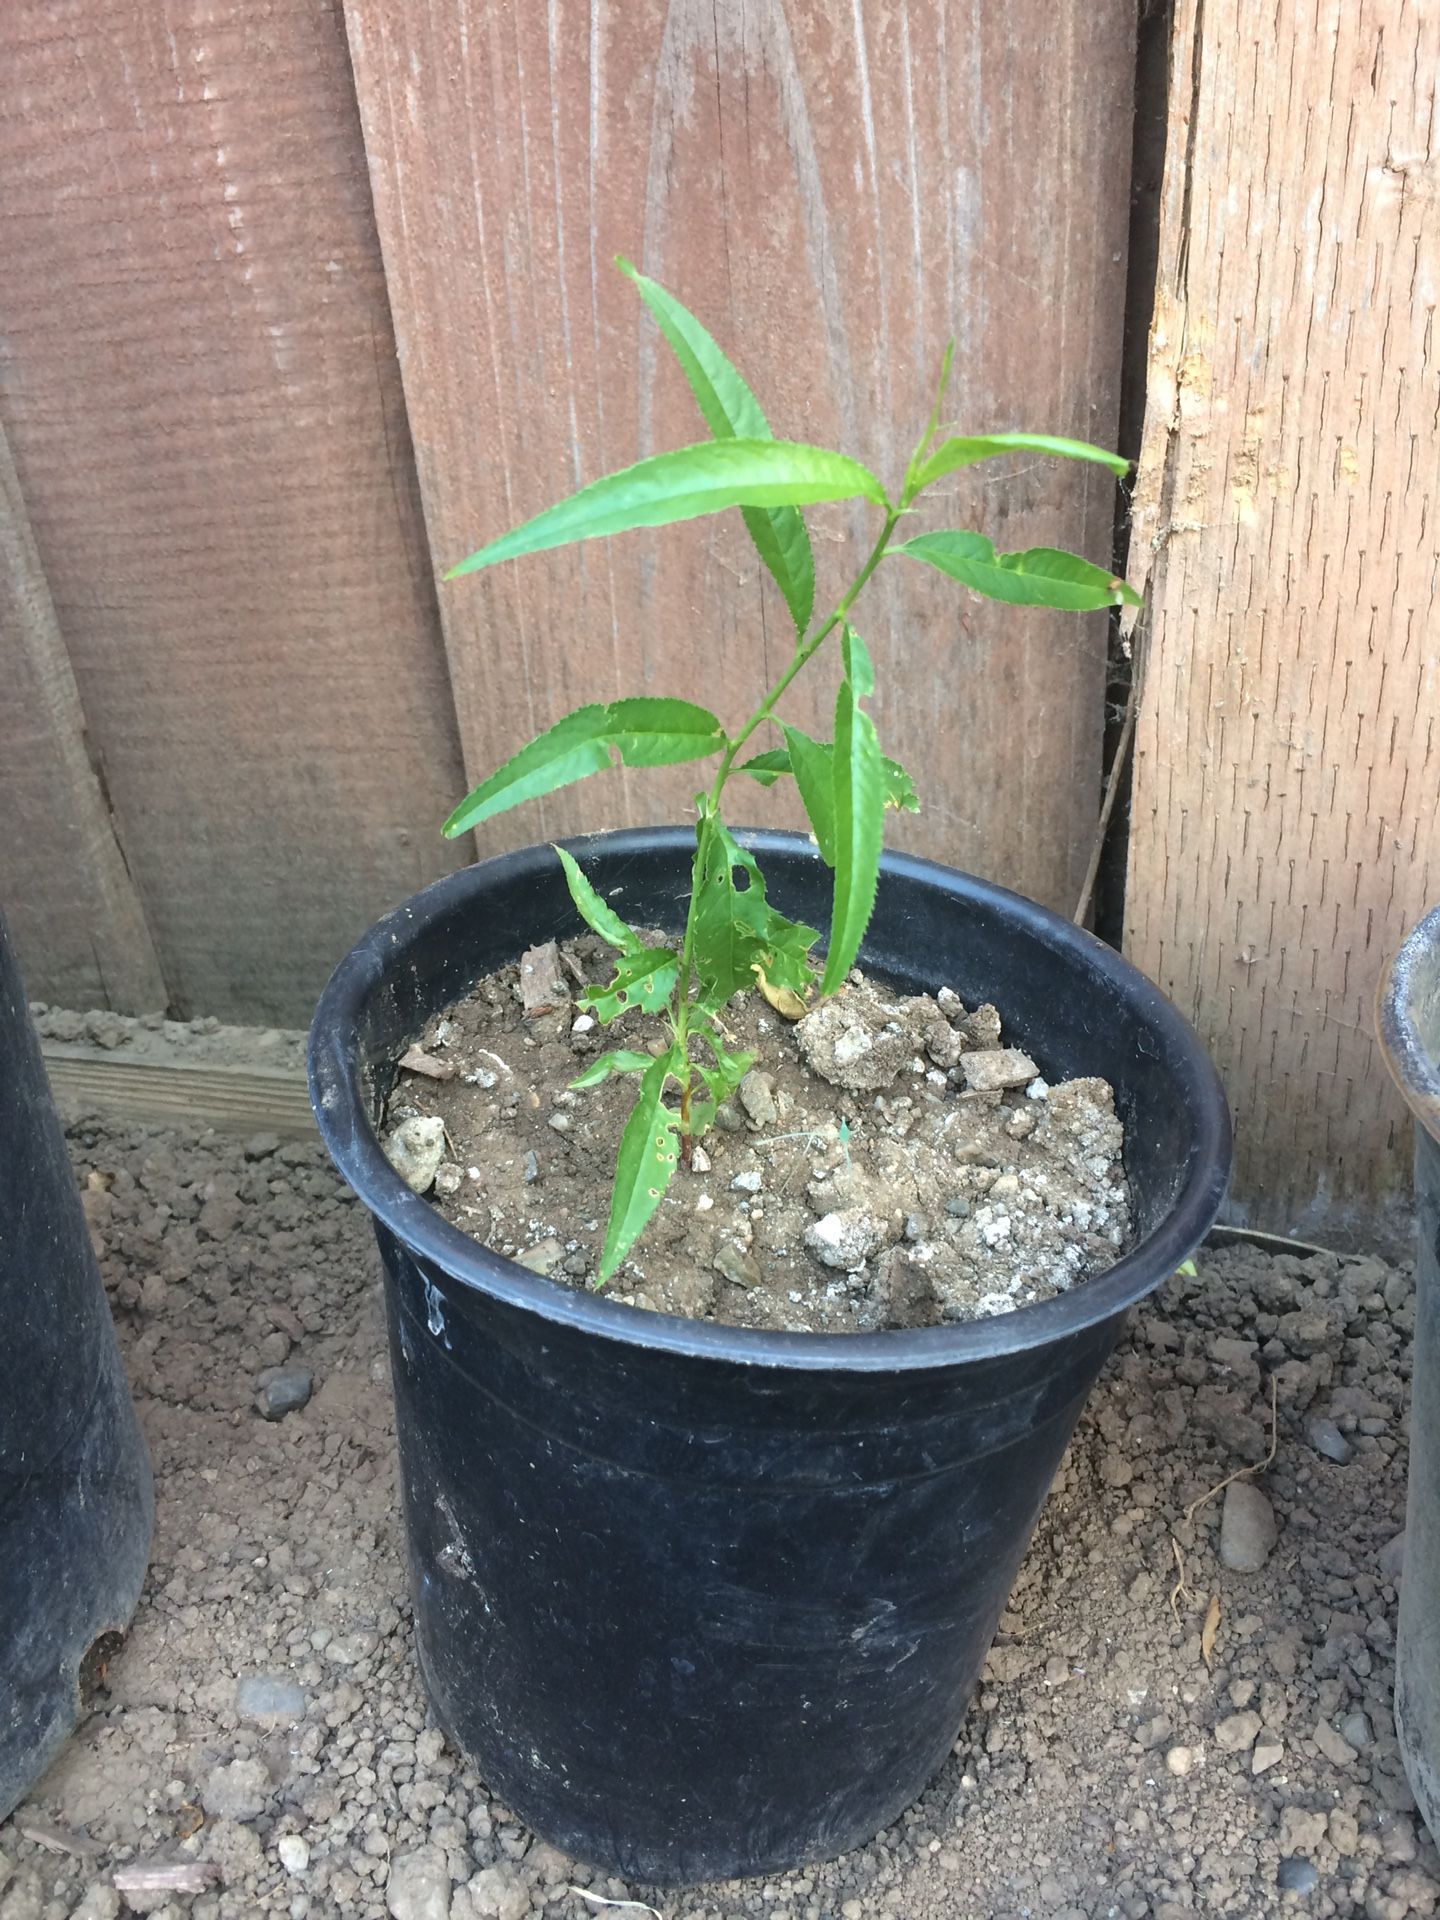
<point x="1286" y="820"/>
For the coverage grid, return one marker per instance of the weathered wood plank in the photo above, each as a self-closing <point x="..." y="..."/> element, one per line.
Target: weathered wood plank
<point x="198" y="377"/>
<point x="835" y="191"/>
<point x="178" y="1093"/>
<point x="78" y="924"/>
<point x="1286" y="822"/>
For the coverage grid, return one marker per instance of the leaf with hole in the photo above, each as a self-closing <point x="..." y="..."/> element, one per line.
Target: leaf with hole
<point x="644" y="978"/>
<point x="732" y="412"/>
<point x="684" y="485"/>
<point x="1039" y="577"/>
<point x="639" y="732"/>
<point x="646" y="1165"/>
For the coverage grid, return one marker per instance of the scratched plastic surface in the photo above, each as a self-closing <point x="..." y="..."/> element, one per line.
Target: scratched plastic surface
<point x="703" y="1601"/>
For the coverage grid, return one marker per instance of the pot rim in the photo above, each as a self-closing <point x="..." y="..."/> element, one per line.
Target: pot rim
<point x="1413" y="1057"/>
<point x="341" y="1109"/>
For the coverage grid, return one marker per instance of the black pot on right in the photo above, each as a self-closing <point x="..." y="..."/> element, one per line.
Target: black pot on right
<point x="703" y="1601"/>
<point x="1410" y="1037"/>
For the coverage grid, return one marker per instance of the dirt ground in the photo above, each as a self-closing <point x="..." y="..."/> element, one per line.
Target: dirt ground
<point x="264" y="1714"/>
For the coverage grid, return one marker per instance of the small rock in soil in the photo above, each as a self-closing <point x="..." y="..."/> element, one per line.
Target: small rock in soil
<point x="1335" y="1747"/>
<point x="1297" y="1876"/>
<point x="239" y="1791"/>
<point x="293" y="1852"/>
<point x="1247" y="1528"/>
<point x="418" y="1886"/>
<point x="1327" y="1439"/>
<point x="997" y="1070"/>
<point x="542" y="983"/>
<point x="268" y="1696"/>
<point x="261" y="1145"/>
<point x="1236" y="1733"/>
<point x="415" y="1149"/>
<point x="1391" y="1558"/>
<point x="1268" y="1752"/>
<point x="283" y="1390"/>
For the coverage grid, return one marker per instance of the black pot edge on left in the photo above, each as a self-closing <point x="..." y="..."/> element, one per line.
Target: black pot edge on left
<point x="77" y="1501"/>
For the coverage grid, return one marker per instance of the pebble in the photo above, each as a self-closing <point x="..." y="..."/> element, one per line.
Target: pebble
<point x="283" y="1390"/>
<point x="498" y="1893"/>
<point x="736" y="1265"/>
<point x="1236" y="1733"/>
<point x="1356" y="1728"/>
<point x="415" y="1149"/>
<point x="582" y="1023"/>
<point x="699" y="1160"/>
<point x="269" y="1696"/>
<point x="845" y="1240"/>
<point x="418" y="1887"/>
<point x="294" y="1853"/>
<point x="1327" y="1439"/>
<point x="757" y="1097"/>
<point x="1247" y="1528"/>
<point x="748" y="1182"/>
<point x="997" y="1069"/>
<point x="1333" y="1744"/>
<point x="1269" y="1752"/>
<point x="543" y="1257"/>
<point x="1297" y="1876"/>
<point x="261" y="1145"/>
<point x="532" y="1167"/>
<point x="1179" y="1761"/>
<point x="1391" y="1558"/>
<point x="101" y="1902"/>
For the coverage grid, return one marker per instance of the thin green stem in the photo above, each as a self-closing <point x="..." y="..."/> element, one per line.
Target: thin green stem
<point x="805" y="651"/>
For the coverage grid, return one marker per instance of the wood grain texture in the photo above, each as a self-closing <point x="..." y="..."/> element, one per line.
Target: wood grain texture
<point x="181" y="1094"/>
<point x="834" y="190"/>
<point x="1286" y="823"/>
<point x="197" y="372"/>
<point x="78" y="924"/>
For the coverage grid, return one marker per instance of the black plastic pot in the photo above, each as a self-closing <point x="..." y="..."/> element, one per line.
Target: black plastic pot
<point x="1410" y="1037"/>
<point x="75" y="1495"/>
<point x="703" y="1601"/>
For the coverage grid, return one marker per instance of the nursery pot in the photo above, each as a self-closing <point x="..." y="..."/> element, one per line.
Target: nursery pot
<point x="1410" y="1036"/>
<point x="75" y="1494"/>
<point x="703" y="1601"/>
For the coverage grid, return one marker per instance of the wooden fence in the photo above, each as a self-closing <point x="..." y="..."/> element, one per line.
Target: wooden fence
<point x="299" y="302"/>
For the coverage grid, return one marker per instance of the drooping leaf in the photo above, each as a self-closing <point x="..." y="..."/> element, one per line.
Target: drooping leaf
<point x="732" y="412"/>
<point x="595" y="912"/>
<point x="813" y="765"/>
<point x="642" y="732"/>
<point x="621" y="1060"/>
<point x="966" y="451"/>
<point x="1039" y="577"/>
<point x="789" y="1004"/>
<point x="683" y="485"/>
<point x="859" y="817"/>
<point x="769" y="767"/>
<point x="644" y="978"/>
<point x="645" y="1167"/>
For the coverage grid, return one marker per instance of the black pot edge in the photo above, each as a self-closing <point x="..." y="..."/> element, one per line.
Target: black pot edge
<point x="345" y="1127"/>
<point x="1413" y="1059"/>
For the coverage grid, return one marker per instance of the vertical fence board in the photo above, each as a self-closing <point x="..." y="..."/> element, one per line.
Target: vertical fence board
<point x="835" y="191"/>
<point x="1286" y="826"/>
<point x="198" y="375"/>
<point x="76" y="917"/>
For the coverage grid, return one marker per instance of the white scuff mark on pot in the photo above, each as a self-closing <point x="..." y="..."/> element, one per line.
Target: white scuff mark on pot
<point x="435" y="1312"/>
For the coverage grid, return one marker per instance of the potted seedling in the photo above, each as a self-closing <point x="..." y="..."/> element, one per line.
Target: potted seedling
<point x="702" y="1598"/>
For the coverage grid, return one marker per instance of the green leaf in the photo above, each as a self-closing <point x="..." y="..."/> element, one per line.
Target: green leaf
<point x="767" y="768"/>
<point x="645" y="1167"/>
<point x="596" y="914"/>
<point x="730" y="1068"/>
<point x="621" y="1060"/>
<point x="859" y="667"/>
<point x="736" y="928"/>
<point x="859" y="818"/>
<point x="644" y="978"/>
<point x="932" y="426"/>
<point x="951" y="455"/>
<point x="732" y="412"/>
<point x="813" y="765"/>
<point x="1039" y="577"/>
<point x="683" y="485"/>
<point x="643" y="732"/>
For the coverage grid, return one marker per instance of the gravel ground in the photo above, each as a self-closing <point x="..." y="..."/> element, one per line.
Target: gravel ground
<point x="264" y="1725"/>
